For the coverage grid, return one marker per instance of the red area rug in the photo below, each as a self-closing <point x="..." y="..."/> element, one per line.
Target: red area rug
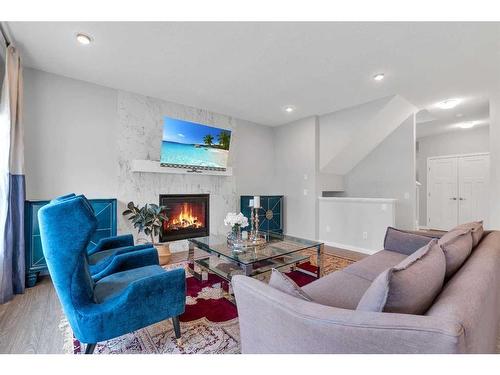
<point x="209" y="324"/>
<point x="205" y="299"/>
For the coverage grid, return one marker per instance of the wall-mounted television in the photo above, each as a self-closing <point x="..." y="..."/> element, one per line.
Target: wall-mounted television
<point x="196" y="146"/>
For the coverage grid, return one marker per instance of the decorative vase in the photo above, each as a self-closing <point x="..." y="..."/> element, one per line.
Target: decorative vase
<point x="164" y="253"/>
<point x="234" y="238"/>
<point x="237" y="232"/>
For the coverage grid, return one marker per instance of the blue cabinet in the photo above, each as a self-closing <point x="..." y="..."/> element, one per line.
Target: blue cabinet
<point x="105" y="212"/>
<point x="270" y="215"/>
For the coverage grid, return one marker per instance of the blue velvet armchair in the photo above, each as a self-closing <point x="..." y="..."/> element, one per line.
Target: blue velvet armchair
<point x="114" y="254"/>
<point x="114" y="242"/>
<point x="116" y="304"/>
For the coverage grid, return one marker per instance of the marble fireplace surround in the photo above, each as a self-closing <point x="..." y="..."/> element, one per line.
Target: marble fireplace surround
<point x="140" y="122"/>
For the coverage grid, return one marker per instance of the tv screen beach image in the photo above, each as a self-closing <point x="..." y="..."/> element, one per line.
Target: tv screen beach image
<point x="190" y="144"/>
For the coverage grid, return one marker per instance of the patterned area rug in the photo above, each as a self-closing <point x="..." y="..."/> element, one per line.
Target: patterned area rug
<point x="208" y="326"/>
<point x="331" y="263"/>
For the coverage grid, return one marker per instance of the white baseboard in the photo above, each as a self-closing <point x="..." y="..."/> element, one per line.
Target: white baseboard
<point x="350" y="247"/>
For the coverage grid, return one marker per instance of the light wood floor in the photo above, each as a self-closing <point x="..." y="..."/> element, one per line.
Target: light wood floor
<point x="30" y="322"/>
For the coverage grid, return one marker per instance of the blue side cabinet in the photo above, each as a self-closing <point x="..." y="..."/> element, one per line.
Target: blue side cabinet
<point x="105" y="212"/>
<point x="270" y="215"/>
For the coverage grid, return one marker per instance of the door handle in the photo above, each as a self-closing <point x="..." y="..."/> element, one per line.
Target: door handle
<point x="462" y="199"/>
<point x="454" y="198"/>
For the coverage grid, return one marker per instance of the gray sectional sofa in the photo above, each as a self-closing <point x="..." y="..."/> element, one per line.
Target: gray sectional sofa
<point x="463" y="318"/>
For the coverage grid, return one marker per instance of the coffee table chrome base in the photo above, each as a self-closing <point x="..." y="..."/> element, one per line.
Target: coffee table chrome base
<point x="200" y="272"/>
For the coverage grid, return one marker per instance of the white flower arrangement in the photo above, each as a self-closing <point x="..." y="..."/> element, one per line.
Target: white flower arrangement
<point x="233" y="219"/>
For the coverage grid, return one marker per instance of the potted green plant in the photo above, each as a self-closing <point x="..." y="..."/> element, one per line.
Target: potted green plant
<point x="149" y="219"/>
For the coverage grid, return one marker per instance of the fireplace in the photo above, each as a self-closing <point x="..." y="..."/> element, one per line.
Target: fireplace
<point x="188" y="216"/>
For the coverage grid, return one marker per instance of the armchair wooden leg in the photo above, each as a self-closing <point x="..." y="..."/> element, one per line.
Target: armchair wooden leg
<point x="177" y="327"/>
<point x="89" y="349"/>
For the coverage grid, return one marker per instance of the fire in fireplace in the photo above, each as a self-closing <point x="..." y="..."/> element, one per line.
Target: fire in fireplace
<point x="188" y="216"/>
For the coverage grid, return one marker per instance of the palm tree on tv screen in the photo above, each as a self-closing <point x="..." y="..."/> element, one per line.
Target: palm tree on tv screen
<point x="224" y="138"/>
<point x="208" y="139"/>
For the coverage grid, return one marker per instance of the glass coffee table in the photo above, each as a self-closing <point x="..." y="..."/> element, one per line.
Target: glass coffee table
<point x="279" y="251"/>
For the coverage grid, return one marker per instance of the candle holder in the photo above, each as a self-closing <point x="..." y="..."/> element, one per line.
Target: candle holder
<point x="255" y="223"/>
<point x="252" y="222"/>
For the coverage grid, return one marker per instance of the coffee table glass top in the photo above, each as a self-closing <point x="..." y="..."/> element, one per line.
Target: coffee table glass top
<point x="276" y="245"/>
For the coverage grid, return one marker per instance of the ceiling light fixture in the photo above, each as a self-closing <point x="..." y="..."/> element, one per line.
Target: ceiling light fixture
<point x="459" y="115"/>
<point x="379" y="76"/>
<point x="467" y="125"/>
<point x="448" y="103"/>
<point x="289" y="108"/>
<point x="83" y="38"/>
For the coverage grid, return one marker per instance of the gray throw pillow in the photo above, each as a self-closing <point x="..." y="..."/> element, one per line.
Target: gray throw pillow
<point x="411" y="286"/>
<point x="286" y="285"/>
<point x="403" y="242"/>
<point x="457" y="246"/>
<point x="476" y="228"/>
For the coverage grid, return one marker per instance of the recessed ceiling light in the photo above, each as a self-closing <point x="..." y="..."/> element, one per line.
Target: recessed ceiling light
<point x="83" y="38"/>
<point x="379" y="76"/>
<point x="459" y="115"/>
<point x="467" y="125"/>
<point x="448" y="103"/>
<point x="289" y="108"/>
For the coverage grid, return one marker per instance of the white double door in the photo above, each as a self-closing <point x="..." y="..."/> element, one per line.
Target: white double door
<point x="457" y="190"/>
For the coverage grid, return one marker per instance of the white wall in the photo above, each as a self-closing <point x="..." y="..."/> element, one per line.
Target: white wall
<point x="296" y="164"/>
<point x="495" y="159"/>
<point x="389" y="172"/>
<point x="81" y="137"/>
<point x="253" y="147"/>
<point x="337" y="128"/>
<point x="355" y="223"/>
<point x="2" y="66"/>
<point x="70" y="137"/>
<point x="349" y="135"/>
<point x="463" y="141"/>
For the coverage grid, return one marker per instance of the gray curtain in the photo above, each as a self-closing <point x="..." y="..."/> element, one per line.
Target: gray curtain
<point x="12" y="180"/>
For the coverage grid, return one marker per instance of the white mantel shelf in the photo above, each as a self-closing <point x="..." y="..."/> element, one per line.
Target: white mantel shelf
<point x="154" y="166"/>
<point x="358" y="200"/>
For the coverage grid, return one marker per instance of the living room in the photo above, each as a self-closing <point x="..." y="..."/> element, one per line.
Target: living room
<point x="228" y="187"/>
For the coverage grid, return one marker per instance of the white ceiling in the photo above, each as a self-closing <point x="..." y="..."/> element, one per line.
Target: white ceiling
<point x="252" y="70"/>
<point x="435" y="121"/>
